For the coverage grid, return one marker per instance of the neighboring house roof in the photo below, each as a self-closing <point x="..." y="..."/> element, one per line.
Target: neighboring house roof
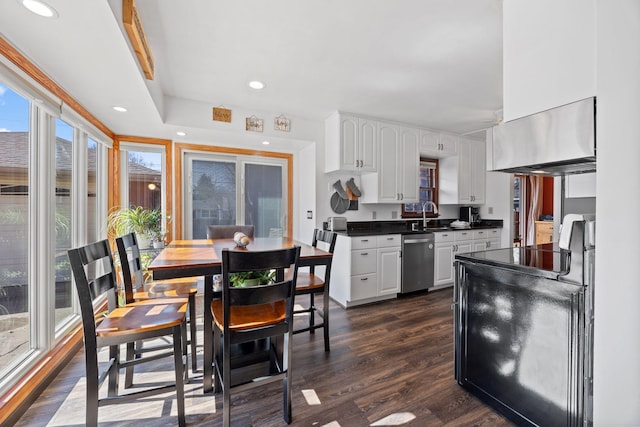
<point x="14" y="153"/>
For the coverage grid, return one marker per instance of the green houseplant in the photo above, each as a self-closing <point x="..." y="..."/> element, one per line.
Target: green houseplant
<point x="146" y="223"/>
<point x="251" y="278"/>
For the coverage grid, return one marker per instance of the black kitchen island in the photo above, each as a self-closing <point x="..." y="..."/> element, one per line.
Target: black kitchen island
<point x="523" y="328"/>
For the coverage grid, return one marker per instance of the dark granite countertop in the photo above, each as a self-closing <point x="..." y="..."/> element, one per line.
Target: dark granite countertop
<point x="369" y="228"/>
<point x="538" y="260"/>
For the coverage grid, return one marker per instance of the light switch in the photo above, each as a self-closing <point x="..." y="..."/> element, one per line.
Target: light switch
<point x="309" y="214"/>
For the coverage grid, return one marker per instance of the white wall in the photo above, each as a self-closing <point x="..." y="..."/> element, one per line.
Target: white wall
<point x="561" y="51"/>
<point x="549" y="54"/>
<point x="499" y="197"/>
<point x="617" y="294"/>
<point x="303" y="199"/>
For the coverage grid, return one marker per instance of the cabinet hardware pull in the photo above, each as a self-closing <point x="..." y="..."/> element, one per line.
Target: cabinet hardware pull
<point x="364" y="240"/>
<point x="364" y="253"/>
<point x="389" y="238"/>
<point x="364" y="278"/>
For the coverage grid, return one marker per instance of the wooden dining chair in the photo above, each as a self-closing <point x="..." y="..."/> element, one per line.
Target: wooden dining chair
<point x="308" y="283"/>
<point x="227" y="231"/>
<point x="262" y="317"/>
<point x="136" y="289"/>
<point x="95" y="276"/>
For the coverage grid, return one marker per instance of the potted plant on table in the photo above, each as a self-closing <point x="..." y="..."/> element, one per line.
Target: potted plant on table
<point x="251" y="278"/>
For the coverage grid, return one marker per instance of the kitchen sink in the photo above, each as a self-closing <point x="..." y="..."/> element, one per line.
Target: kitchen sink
<point x="437" y="228"/>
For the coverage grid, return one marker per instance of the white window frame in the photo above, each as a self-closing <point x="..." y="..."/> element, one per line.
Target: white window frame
<point x="125" y="148"/>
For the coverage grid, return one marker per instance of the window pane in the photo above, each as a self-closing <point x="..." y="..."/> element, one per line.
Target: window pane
<point x="64" y="162"/>
<point x="263" y="199"/>
<point x="213" y="195"/>
<point x="93" y="230"/>
<point x="14" y="228"/>
<point x="145" y="179"/>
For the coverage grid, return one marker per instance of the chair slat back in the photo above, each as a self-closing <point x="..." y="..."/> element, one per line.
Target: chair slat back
<point x="325" y="236"/>
<point x="131" y="264"/>
<point x="94" y="275"/>
<point x="227" y="231"/>
<point x="241" y="261"/>
<point x="328" y="237"/>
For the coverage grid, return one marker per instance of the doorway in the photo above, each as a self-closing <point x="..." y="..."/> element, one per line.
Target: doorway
<point x="532" y="209"/>
<point x="226" y="189"/>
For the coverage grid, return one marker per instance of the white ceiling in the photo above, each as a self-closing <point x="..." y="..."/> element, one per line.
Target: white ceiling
<point x="434" y="63"/>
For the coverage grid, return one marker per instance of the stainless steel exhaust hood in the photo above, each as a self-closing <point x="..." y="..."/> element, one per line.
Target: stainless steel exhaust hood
<point x="558" y="141"/>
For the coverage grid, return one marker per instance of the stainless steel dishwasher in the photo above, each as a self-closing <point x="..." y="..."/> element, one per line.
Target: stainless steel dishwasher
<point x="417" y="262"/>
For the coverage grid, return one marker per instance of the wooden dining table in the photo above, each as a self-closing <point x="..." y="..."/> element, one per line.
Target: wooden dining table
<point x="203" y="257"/>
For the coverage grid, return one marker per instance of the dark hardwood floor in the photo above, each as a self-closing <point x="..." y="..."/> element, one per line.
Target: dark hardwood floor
<point x="390" y="363"/>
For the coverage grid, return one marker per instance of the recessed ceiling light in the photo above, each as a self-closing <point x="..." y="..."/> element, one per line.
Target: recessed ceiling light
<point x="539" y="171"/>
<point x="180" y="133"/>
<point x="120" y="109"/>
<point x="265" y="143"/>
<point x="255" y="84"/>
<point x="40" y="8"/>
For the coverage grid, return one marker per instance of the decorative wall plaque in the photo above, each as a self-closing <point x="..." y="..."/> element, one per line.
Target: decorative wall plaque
<point x="221" y="114"/>
<point x="281" y="123"/>
<point x="254" y="124"/>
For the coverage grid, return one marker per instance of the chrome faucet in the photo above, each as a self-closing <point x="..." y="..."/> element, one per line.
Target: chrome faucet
<point x="425" y="221"/>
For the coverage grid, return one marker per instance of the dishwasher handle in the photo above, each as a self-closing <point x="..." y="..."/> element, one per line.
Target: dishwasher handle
<point x="424" y="240"/>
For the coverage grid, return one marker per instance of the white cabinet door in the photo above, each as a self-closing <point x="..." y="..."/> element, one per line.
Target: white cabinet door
<point x="581" y="185"/>
<point x="478" y="172"/>
<point x="363" y="286"/>
<point x="408" y="168"/>
<point x="463" y="247"/>
<point x="493" y="244"/>
<point x="443" y="268"/>
<point x="464" y="171"/>
<point x="448" y="144"/>
<point x="462" y="178"/>
<point x="367" y="147"/>
<point x="388" y="141"/>
<point x="363" y="261"/>
<point x="388" y="270"/>
<point x="349" y="142"/>
<point x="429" y="142"/>
<point x="437" y="144"/>
<point x="479" y="245"/>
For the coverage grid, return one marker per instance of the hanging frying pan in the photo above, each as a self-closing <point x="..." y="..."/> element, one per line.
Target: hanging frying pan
<point x="338" y="204"/>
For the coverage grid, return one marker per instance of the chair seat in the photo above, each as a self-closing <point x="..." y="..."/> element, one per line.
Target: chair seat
<point x="308" y="281"/>
<point x="250" y="316"/>
<point x="167" y="289"/>
<point x="143" y="316"/>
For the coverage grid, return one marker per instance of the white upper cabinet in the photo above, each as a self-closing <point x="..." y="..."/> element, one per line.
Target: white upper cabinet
<point x="581" y="185"/>
<point x="397" y="178"/>
<point x="350" y="143"/>
<point x="462" y="178"/>
<point x="435" y="144"/>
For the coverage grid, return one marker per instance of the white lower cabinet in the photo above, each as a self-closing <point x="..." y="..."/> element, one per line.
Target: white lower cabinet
<point x="365" y="269"/>
<point x="450" y="243"/>
<point x="388" y="271"/>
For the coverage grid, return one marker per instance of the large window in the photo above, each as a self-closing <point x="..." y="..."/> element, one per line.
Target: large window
<point x="229" y="189"/>
<point x="15" y="283"/>
<point x="64" y="162"/>
<point x="52" y="198"/>
<point x="428" y="191"/>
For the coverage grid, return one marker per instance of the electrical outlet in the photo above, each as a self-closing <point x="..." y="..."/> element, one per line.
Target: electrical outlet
<point x="490" y="210"/>
<point x="373" y="215"/>
<point x="394" y="214"/>
<point x="309" y="214"/>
